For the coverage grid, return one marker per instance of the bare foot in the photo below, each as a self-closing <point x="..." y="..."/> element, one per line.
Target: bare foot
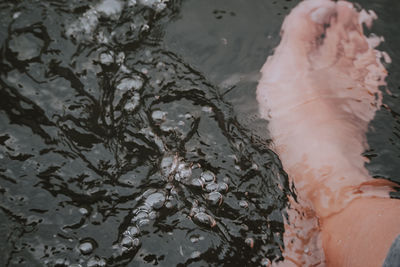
<point x="319" y="91"/>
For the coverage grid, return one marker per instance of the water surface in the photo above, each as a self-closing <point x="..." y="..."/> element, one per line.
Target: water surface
<point x="130" y="135"/>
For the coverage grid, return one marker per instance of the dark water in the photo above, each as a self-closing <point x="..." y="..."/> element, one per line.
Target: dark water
<point x="130" y="136"/>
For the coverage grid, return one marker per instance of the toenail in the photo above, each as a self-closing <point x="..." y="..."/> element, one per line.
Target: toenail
<point x="322" y="15"/>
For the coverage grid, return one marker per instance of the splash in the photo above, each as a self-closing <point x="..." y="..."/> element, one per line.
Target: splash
<point x="319" y="91"/>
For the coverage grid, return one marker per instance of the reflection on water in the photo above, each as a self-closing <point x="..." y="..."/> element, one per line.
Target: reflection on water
<point x="115" y="151"/>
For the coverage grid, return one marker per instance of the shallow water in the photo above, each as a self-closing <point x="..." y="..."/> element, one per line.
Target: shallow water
<point x="130" y="135"/>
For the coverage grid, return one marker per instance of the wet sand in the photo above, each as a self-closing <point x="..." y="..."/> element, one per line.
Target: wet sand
<point x="319" y="91"/>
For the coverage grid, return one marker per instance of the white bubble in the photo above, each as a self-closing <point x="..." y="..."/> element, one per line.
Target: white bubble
<point x="222" y="187"/>
<point x="197" y="182"/>
<point x="156" y="200"/>
<point x="144" y="71"/>
<point x="132" y="2"/>
<point x="194" y="238"/>
<point x="212" y="186"/>
<point x="183" y="172"/>
<point x="215" y="198"/>
<point x="96" y="262"/>
<point x="204" y="218"/>
<point x="157" y="5"/>
<point x="208" y="176"/>
<point x="132" y="231"/>
<point x="86" y="248"/>
<point x="206" y="109"/>
<point x="110" y="8"/>
<point x="133" y="102"/>
<point x="120" y="58"/>
<point x="243" y="204"/>
<point x="85" y="25"/>
<point x="131" y="83"/>
<point x="16" y="15"/>
<point x="195" y="254"/>
<point x="250" y="242"/>
<point x="158" y="116"/>
<point x="107" y="58"/>
<point x="83" y="211"/>
<point x="102" y="38"/>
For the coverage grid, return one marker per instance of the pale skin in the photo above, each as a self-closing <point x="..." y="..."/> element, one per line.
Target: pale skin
<point x="319" y="92"/>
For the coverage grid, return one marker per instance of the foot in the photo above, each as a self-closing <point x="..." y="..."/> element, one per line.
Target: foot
<point x="319" y="91"/>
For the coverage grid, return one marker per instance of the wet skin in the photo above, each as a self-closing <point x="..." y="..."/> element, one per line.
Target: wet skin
<point x="319" y="92"/>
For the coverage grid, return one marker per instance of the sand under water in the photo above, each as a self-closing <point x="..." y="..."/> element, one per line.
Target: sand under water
<point x="319" y="91"/>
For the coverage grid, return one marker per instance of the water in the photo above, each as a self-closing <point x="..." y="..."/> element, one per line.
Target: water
<point x="130" y="135"/>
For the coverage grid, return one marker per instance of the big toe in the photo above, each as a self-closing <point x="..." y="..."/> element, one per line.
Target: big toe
<point x="308" y="21"/>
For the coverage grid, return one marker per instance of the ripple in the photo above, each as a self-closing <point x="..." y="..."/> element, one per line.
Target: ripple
<point x="106" y="133"/>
